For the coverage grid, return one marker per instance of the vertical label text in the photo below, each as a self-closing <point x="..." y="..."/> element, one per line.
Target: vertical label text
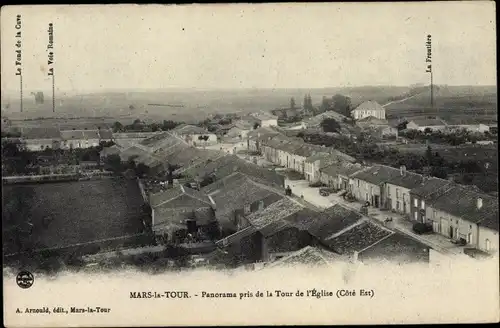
<point x="18" y="46"/>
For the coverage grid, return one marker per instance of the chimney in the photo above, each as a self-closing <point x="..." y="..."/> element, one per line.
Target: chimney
<point x="479" y="203"/>
<point x="402" y="170"/>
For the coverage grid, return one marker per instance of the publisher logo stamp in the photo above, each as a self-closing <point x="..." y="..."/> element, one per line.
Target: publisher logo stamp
<point x="25" y="279"/>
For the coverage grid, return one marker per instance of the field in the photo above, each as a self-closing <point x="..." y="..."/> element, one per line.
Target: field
<point x="456" y="105"/>
<point x="67" y="213"/>
<point x="180" y="105"/>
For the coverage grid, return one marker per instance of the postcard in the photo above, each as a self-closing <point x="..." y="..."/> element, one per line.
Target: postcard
<point x="249" y="164"/>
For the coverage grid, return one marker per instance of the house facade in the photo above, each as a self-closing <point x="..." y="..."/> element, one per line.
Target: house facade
<point x="398" y="190"/>
<point x="434" y="124"/>
<point x="419" y="196"/>
<point x="369" y="185"/>
<point x="488" y="239"/>
<point x="337" y="175"/>
<point x="367" y="109"/>
<point x="464" y="214"/>
<point x="193" y="135"/>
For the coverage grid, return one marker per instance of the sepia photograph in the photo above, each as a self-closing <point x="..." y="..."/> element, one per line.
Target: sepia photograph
<point x="249" y="164"/>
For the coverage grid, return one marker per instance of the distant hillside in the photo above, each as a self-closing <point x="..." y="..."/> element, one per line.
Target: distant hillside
<point x="195" y="105"/>
<point x="453" y="103"/>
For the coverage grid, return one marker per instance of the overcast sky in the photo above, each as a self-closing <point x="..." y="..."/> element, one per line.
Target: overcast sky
<point x="250" y="46"/>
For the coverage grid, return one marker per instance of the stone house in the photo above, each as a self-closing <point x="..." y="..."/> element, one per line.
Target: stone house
<point x="337" y="174"/>
<point x="369" y="185"/>
<point x="430" y="188"/>
<point x="367" y="109"/>
<point x="461" y="213"/>
<point x="182" y="211"/>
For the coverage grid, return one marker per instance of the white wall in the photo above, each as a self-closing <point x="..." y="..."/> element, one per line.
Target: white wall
<point x="404" y="197"/>
<point x="488" y="234"/>
<point x="271" y="122"/>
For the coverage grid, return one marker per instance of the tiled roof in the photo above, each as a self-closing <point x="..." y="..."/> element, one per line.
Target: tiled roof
<point x="309" y="256"/>
<point x="376" y="174"/>
<point x="233" y="193"/>
<point x="273" y="213"/>
<point x="131" y="152"/>
<point x="190" y="129"/>
<point x="408" y="180"/>
<point x="396" y="247"/>
<point x="430" y="186"/>
<point x="290" y="146"/>
<point x="262" y="133"/>
<point x="369" y="105"/>
<point x="342" y="168"/>
<point x="105" y="134"/>
<point x="106" y="151"/>
<point x="319" y="156"/>
<point x="461" y="201"/>
<point x="329" y="222"/>
<point x="309" y="150"/>
<point x="40" y="133"/>
<point x="166" y="153"/>
<point x="156" y="138"/>
<point x="264" y="116"/>
<point x="316" y="120"/>
<point x="428" y="121"/>
<point x="164" y="197"/>
<point x="357" y="238"/>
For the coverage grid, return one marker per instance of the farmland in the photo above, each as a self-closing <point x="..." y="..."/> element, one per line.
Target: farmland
<point x="179" y="105"/>
<point x="456" y="105"/>
<point x="67" y="213"/>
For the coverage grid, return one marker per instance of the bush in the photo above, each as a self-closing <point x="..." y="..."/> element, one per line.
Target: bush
<point x="421" y="228"/>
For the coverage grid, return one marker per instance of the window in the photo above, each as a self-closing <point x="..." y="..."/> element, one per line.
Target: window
<point x="415" y="202"/>
<point x="261" y="205"/>
<point x="388" y="191"/>
<point x="434" y="214"/>
<point x="422" y="204"/>
<point x="415" y="216"/>
<point x="469" y="238"/>
<point x="397" y="205"/>
<point x="247" y="209"/>
<point x="397" y="192"/>
<point x="358" y="183"/>
<point x="488" y="245"/>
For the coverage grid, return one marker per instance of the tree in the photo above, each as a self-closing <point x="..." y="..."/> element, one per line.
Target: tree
<point x="439" y="172"/>
<point x="117" y="127"/>
<point x="402" y="126"/>
<point x="256" y="126"/>
<point x="142" y="169"/>
<point x="428" y="156"/>
<point x="114" y="162"/>
<point x="330" y="125"/>
<point x="292" y="103"/>
<point x="341" y="104"/>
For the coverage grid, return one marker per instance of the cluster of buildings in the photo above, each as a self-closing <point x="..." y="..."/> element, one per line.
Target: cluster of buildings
<point x="243" y="208"/>
<point x="38" y="139"/>
<point x="462" y="213"/>
<point x="437" y="124"/>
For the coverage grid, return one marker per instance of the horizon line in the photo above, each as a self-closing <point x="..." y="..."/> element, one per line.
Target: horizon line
<point x="104" y="90"/>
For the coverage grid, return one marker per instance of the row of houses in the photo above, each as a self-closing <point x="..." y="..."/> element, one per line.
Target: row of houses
<point x="438" y="124"/>
<point x="455" y="211"/>
<point x="38" y="139"/>
<point x="294" y="153"/>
